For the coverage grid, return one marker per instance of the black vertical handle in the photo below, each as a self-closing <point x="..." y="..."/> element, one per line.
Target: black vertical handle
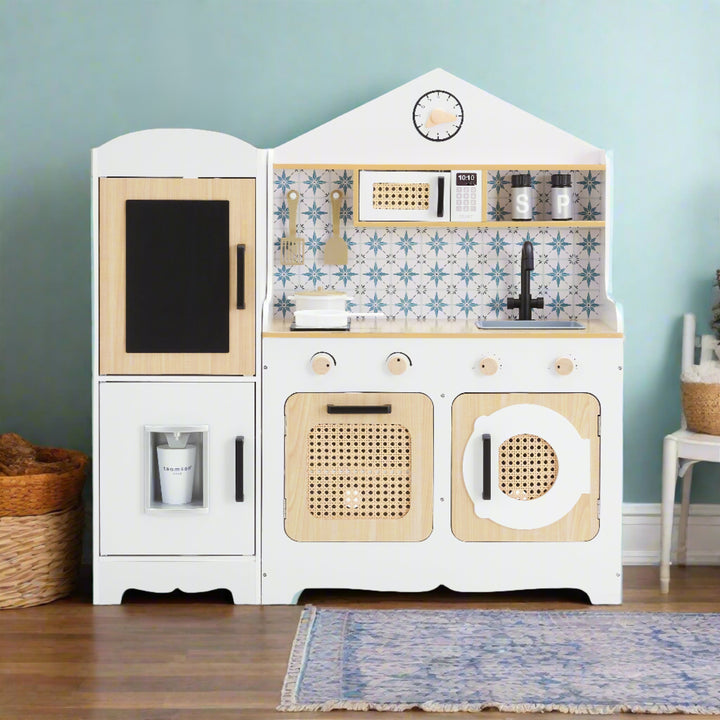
<point x="240" y="277"/>
<point x="486" y="467"/>
<point x="239" y="484"/>
<point x="441" y="196"/>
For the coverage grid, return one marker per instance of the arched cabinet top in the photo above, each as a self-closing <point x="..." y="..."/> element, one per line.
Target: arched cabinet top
<point x="176" y="152"/>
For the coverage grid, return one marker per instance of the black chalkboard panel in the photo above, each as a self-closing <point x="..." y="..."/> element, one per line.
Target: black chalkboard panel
<point x="177" y="276"/>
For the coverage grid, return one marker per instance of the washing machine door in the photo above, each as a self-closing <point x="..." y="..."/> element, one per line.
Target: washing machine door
<point x="525" y="465"/>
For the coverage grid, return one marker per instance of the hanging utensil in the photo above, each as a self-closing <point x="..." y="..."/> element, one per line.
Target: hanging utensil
<point x="336" y="251"/>
<point x="292" y="247"/>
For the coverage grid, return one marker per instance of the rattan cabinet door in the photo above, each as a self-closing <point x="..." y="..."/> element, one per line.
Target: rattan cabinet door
<point x="528" y="467"/>
<point x="358" y="466"/>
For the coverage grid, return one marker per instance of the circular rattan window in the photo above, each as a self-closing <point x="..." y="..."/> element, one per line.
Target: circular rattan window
<point x="527" y="467"/>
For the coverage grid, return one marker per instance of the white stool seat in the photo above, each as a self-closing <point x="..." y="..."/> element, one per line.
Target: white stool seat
<point x="681" y="450"/>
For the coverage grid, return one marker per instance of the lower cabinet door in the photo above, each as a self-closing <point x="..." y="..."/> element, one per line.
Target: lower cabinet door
<point x="358" y="466"/>
<point x="525" y="467"/>
<point x="177" y="468"/>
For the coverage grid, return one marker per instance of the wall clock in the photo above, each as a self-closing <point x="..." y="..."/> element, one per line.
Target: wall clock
<point x="438" y="115"/>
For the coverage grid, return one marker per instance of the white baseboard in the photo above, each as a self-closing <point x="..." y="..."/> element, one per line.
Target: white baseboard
<point x="641" y="534"/>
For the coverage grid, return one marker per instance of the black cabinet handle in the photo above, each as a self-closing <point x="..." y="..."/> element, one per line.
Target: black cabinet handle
<point x="239" y="480"/>
<point x="441" y="196"/>
<point x="240" y="277"/>
<point x="359" y="409"/>
<point x="486" y="467"/>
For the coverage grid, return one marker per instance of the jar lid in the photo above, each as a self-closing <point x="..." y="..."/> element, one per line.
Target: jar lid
<point x="521" y="180"/>
<point x="560" y="180"/>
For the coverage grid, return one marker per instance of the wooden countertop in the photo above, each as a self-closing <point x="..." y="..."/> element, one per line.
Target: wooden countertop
<point x="370" y="328"/>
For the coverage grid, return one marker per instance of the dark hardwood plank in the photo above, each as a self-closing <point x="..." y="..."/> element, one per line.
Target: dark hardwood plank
<point x="198" y="657"/>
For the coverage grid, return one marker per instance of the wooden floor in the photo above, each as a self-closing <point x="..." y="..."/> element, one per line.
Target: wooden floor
<point x="162" y="657"/>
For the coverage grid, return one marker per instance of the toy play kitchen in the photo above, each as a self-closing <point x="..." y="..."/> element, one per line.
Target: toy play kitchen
<point x="381" y="356"/>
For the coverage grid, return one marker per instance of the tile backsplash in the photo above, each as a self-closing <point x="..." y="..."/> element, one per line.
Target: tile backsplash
<point x="440" y="273"/>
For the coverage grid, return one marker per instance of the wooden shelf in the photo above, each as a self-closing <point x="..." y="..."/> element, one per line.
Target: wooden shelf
<point x="490" y="224"/>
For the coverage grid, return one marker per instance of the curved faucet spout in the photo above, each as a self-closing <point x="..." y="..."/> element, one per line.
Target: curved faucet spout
<point x="527" y="259"/>
<point x="526" y="302"/>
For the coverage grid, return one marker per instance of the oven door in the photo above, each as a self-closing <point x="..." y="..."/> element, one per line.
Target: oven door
<point x="403" y="196"/>
<point x="358" y="466"/>
<point x="525" y="466"/>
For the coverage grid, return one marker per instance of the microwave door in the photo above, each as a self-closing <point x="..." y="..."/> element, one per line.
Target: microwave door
<point x="404" y="196"/>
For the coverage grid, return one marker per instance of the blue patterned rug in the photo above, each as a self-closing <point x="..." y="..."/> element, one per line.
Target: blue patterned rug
<point x="585" y="661"/>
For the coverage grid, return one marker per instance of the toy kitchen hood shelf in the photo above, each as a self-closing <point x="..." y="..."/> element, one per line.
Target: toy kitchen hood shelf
<point x="400" y="451"/>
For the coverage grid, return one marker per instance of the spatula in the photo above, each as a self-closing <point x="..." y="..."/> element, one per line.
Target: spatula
<point x="336" y="252"/>
<point x="292" y="247"/>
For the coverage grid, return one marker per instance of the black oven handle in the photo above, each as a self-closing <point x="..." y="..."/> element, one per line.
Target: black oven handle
<point x="359" y="409"/>
<point x="240" y="277"/>
<point x="441" y="196"/>
<point x="486" y="467"/>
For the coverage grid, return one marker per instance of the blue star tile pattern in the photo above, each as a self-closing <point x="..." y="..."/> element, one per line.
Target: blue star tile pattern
<point x="283" y="305"/>
<point x="406" y="274"/>
<point x="589" y="242"/>
<point x="557" y="305"/>
<point x="344" y="181"/>
<point x="283" y="274"/>
<point x="283" y="181"/>
<point x="375" y="244"/>
<point x="314" y="182"/>
<point x="314" y="212"/>
<point x="466" y="305"/>
<point x="590" y="181"/>
<point x="467" y="243"/>
<point x="406" y="243"/>
<point x="436" y="305"/>
<point x="454" y="273"/>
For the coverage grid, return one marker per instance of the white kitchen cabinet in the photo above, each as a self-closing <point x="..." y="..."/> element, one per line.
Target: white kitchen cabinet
<point x="133" y="520"/>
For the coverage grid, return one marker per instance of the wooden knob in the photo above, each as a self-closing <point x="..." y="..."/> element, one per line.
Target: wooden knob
<point x="322" y="363"/>
<point x="488" y="366"/>
<point x="398" y="363"/>
<point x="564" y="366"/>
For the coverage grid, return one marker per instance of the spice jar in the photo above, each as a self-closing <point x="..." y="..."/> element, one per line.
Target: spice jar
<point x="521" y="195"/>
<point x="561" y="196"/>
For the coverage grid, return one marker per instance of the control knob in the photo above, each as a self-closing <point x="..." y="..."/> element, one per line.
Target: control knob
<point x="398" y="363"/>
<point x="488" y="366"/>
<point x="322" y="363"/>
<point x="564" y="365"/>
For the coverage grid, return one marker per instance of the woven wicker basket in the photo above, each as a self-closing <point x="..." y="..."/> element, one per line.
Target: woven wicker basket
<point x="39" y="557"/>
<point x="701" y="405"/>
<point x="42" y="480"/>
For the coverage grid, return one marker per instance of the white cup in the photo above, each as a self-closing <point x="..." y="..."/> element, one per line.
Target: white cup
<point x="177" y="471"/>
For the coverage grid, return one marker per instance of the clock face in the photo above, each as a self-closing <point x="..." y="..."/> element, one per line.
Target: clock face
<point x="438" y="115"/>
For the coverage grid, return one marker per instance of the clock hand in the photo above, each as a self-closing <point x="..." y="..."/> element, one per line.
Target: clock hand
<point x="438" y="117"/>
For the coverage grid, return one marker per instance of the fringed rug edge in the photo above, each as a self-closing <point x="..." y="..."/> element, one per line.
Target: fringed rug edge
<point x="288" y="706"/>
<point x="296" y="661"/>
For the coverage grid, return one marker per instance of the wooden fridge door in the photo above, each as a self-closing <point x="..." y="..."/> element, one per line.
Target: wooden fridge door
<point x="177" y="276"/>
<point x="358" y="466"/>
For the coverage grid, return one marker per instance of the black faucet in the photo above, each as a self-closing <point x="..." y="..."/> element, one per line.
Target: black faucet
<point x="526" y="302"/>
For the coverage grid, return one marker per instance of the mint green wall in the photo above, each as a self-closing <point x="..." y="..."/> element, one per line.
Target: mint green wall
<point x="641" y="78"/>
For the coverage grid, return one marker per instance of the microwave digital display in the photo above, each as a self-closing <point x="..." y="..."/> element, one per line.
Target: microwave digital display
<point x="466" y="179"/>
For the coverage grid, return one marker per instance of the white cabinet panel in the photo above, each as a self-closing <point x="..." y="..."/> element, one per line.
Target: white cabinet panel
<point x="130" y="522"/>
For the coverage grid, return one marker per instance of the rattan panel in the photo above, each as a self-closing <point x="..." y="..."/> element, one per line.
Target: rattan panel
<point x="527" y="467"/>
<point x="401" y="196"/>
<point x="359" y="470"/>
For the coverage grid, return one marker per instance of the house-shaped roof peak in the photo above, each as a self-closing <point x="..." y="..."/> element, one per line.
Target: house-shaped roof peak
<point x="382" y="132"/>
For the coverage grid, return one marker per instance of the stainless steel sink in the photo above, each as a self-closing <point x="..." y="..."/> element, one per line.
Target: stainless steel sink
<point x="529" y="325"/>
